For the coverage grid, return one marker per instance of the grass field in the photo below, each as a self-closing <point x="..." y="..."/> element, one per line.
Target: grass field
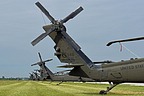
<point x="39" y="88"/>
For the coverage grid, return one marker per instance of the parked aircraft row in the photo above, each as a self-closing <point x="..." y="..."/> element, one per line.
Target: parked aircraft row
<point x="44" y="73"/>
<point x="68" y="51"/>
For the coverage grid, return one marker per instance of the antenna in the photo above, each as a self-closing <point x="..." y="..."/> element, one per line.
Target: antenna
<point x="130" y="51"/>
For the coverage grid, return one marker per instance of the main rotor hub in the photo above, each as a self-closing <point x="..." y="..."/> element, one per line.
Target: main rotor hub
<point x="59" y="26"/>
<point x="56" y="26"/>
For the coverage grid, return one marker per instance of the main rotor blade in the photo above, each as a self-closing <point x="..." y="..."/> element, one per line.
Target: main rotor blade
<point x="131" y="39"/>
<point x="103" y="62"/>
<point x="70" y="41"/>
<point x="45" y="12"/>
<point x="72" y="15"/>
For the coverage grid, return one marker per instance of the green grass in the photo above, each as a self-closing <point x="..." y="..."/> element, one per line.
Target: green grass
<point x="39" y="88"/>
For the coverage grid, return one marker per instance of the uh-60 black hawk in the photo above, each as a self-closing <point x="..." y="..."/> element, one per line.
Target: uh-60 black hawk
<point x="34" y="75"/>
<point x="68" y="51"/>
<point x="43" y="70"/>
<point x="46" y="74"/>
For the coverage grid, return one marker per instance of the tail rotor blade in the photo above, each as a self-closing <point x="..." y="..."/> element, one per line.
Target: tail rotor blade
<point x="45" y="12"/>
<point x="34" y="64"/>
<point x="72" y="15"/>
<point x="40" y="57"/>
<point x="48" y="60"/>
<point x="38" y="39"/>
<point x="42" y="36"/>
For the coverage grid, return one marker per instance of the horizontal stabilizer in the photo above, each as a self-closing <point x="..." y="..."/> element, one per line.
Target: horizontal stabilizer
<point x="70" y="66"/>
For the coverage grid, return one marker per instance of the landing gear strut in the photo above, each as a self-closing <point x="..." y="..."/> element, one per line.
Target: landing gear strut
<point x="112" y="85"/>
<point x="60" y="83"/>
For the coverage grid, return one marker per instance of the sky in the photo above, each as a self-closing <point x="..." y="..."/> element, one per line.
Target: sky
<point x="101" y="21"/>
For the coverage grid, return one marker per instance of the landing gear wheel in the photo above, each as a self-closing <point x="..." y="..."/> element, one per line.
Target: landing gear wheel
<point x="103" y="92"/>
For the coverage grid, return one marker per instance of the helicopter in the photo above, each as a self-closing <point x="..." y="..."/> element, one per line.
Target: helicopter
<point x="68" y="51"/>
<point x="46" y="74"/>
<point x="31" y="77"/>
<point x="43" y="69"/>
<point x="35" y="75"/>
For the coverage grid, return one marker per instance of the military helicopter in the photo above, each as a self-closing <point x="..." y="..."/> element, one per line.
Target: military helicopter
<point x="43" y="69"/>
<point x="46" y="74"/>
<point x="35" y="75"/>
<point x="31" y="77"/>
<point x="68" y="51"/>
